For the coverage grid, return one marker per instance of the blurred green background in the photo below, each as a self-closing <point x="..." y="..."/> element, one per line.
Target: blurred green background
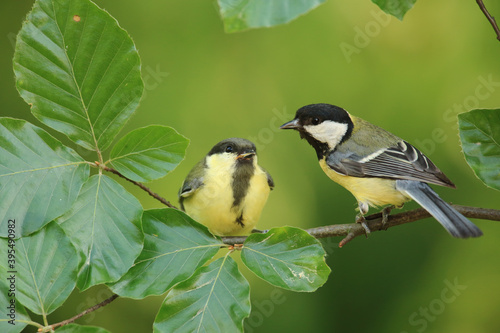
<point x="410" y="77"/>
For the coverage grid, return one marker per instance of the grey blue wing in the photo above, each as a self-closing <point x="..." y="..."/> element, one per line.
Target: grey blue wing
<point x="402" y="161"/>
<point x="454" y="222"/>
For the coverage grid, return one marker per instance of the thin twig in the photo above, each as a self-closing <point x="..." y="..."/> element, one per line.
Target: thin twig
<point x="89" y="310"/>
<point x="29" y="322"/>
<point x="490" y="18"/>
<point x="141" y="185"/>
<point x="374" y="222"/>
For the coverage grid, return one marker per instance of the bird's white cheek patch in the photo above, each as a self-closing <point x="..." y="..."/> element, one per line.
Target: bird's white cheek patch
<point x="328" y="132"/>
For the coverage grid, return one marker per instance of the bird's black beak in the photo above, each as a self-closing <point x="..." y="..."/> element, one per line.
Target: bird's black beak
<point x="293" y="124"/>
<point x="246" y="156"/>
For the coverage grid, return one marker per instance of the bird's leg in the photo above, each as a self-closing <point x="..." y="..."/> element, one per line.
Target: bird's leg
<point x="385" y="215"/>
<point x="360" y="218"/>
<point x="237" y="247"/>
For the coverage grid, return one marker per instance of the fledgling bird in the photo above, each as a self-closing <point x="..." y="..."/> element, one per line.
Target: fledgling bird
<point x="377" y="167"/>
<point x="227" y="189"/>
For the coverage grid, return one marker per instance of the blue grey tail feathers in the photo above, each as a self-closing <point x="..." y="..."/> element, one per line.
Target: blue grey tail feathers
<point x="454" y="222"/>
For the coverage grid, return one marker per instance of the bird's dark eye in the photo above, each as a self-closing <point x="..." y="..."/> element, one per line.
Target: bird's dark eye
<point x="316" y="121"/>
<point x="229" y="149"/>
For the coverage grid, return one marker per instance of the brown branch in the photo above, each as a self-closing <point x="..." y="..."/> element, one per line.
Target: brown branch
<point x="374" y="222"/>
<point x="141" y="185"/>
<point x="89" y="310"/>
<point x="350" y="231"/>
<point x="231" y="240"/>
<point x="490" y="18"/>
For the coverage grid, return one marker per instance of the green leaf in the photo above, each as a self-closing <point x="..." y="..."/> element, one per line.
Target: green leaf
<point x="174" y="247"/>
<point x="105" y="226"/>
<point x="240" y="15"/>
<point x="287" y="257"/>
<point x="148" y="153"/>
<point x="215" y="299"/>
<point x="480" y="136"/>
<point x="396" y="8"/>
<point x="11" y="308"/>
<point x="39" y="177"/>
<point x="74" y="328"/>
<point x="79" y="70"/>
<point x="45" y="269"/>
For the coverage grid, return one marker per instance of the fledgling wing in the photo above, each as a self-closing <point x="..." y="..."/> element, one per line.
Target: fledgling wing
<point x="193" y="182"/>
<point x="270" y="180"/>
<point x="402" y="161"/>
<point x="189" y="187"/>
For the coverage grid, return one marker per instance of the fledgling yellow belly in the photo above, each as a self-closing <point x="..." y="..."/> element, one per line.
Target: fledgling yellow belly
<point x="372" y="191"/>
<point x="212" y="204"/>
<point x="255" y="200"/>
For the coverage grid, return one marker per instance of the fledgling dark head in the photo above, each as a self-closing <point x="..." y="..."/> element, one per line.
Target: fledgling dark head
<point x="242" y="149"/>
<point x="324" y="126"/>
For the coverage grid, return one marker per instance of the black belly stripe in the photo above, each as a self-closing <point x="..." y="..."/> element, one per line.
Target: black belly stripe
<point x="239" y="220"/>
<point x="241" y="181"/>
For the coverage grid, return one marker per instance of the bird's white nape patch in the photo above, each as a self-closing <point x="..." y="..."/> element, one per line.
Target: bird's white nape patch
<point x="329" y="132"/>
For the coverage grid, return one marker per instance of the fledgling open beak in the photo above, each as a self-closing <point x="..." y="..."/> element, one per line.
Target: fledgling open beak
<point x="246" y="156"/>
<point x="293" y="124"/>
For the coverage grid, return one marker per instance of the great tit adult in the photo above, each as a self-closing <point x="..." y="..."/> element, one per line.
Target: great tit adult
<point x="227" y="189"/>
<point x="377" y="167"/>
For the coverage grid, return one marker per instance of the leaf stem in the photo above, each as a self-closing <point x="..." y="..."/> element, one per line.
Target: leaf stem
<point x="374" y="222"/>
<point x="89" y="310"/>
<point x="29" y="322"/>
<point x="142" y="186"/>
<point x="490" y="18"/>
